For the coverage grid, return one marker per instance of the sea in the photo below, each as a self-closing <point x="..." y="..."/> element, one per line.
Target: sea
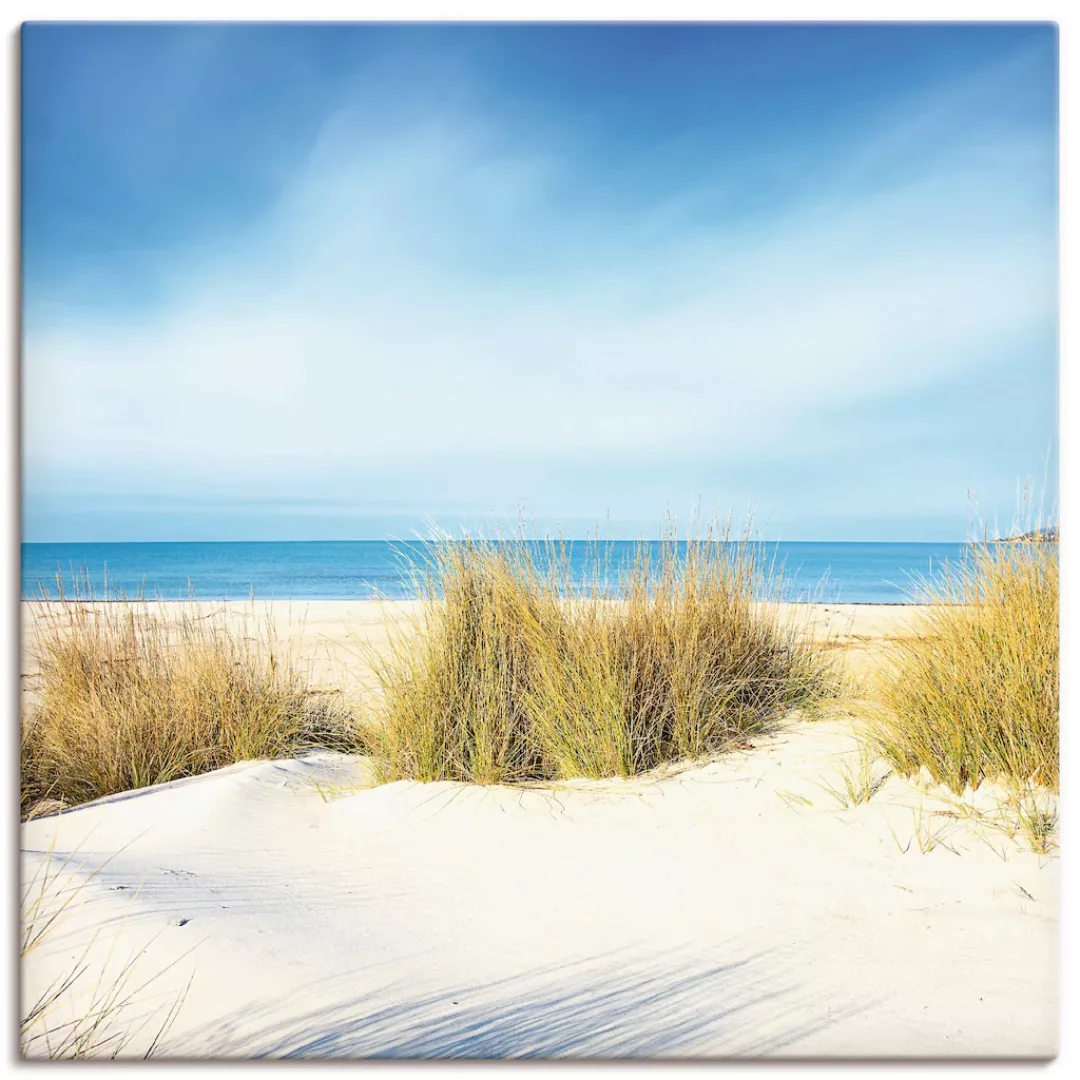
<point x="852" y="573"/>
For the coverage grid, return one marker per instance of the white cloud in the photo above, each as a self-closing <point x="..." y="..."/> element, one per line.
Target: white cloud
<point x="421" y="297"/>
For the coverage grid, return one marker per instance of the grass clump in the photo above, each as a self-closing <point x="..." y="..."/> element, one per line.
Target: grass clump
<point x="859" y="782"/>
<point x="974" y="696"/>
<point x="130" y="694"/>
<point x="518" y="671"/>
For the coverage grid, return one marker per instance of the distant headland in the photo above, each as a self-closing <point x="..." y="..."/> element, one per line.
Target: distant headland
<point x="1049" y="535"/>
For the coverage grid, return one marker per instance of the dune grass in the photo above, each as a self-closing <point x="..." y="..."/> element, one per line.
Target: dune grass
<point x="974" y="696"/>
<point x="517" y="673"/>
<point x="139" y="693"/>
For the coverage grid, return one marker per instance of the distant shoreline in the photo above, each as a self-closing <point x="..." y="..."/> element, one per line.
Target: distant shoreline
<point x="1035" y="537"/>
<point x="863" y="573"/>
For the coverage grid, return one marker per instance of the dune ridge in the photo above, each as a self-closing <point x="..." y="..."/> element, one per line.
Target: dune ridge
<point x="730" y="909"/>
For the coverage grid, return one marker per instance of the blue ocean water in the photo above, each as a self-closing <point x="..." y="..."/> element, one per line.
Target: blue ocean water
<point x="880" y="573"/>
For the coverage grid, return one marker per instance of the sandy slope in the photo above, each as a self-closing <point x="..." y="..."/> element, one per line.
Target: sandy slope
<point x="731" y="909"/>
<point x="709" y="913"/>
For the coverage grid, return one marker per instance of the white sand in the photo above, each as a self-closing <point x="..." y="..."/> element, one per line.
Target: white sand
<point x="734" y="909"/>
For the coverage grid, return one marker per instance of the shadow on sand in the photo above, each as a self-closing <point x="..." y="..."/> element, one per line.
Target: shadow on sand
<point x="608" y="1007"/>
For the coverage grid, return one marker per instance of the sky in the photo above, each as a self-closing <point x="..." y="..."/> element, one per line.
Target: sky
<point x="286" y="282"/>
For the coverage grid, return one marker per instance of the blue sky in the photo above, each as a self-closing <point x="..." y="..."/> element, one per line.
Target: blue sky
<point x="328" y="282"/>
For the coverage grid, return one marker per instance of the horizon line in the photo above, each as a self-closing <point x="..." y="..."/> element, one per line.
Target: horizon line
<point x="553" y="537"/>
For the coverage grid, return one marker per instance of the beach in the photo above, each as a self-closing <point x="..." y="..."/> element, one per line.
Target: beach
<point x="332" y="639"/>
<point x="539" y="539"/>
<point x="729" y="907"/>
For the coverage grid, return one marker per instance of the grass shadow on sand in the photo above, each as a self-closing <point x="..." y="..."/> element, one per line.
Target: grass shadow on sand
<point x="609" y="1007"/>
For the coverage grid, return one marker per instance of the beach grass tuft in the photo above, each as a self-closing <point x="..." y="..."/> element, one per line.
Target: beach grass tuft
<point x="973" y="696"/>
<point x="518" y="671"/>
<point x="138" y="693"/>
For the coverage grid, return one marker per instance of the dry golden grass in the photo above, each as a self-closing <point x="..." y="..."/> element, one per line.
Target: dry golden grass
<point x="139" y="693"/>
<point x="514" y="674"/>
<point x="974" y="696"/>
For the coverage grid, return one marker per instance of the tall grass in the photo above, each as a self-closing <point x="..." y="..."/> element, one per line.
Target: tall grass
<point x="138" y="693"/>
<point x="517" y="672"/>
<point x="974" y="696"/>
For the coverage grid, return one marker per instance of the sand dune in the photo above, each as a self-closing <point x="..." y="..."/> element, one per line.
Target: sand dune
<point x="732" y="909"/>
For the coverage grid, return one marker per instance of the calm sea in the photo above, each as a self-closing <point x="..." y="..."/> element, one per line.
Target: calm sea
<point x="362" y="569"/>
